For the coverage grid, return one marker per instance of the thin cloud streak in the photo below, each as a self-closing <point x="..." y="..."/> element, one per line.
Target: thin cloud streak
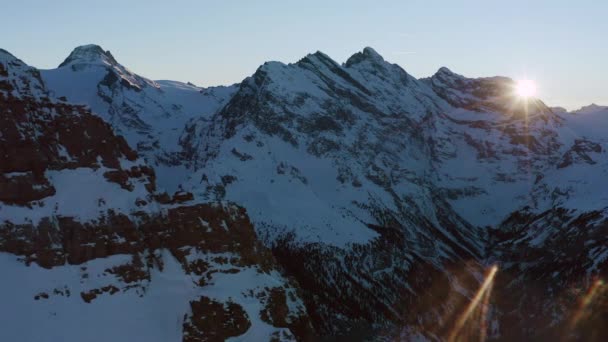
<point x="402" y="53"/>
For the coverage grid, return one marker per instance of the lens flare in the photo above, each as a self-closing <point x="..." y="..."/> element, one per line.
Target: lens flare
<point x="484" y="312"/>
<point x="585" y="301"/>
<point x="483" y="293"/>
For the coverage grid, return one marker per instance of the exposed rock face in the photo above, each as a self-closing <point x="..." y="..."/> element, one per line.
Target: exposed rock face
<point x="213" y="321"/>
<point x="60" y="240"/>
<point x="580" y="152"/>
<point x="369" y="290"/>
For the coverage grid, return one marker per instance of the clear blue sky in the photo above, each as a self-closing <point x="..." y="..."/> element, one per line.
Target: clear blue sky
<point x="560" y="44"/>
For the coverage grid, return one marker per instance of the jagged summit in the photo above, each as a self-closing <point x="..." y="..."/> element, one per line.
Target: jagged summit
<point x="445" y="71"/>
<point x="446" y="74"/>
<point x="89" y="54"/>
<point x="368" y="54"/>
<point x="108" y="72"/>
<point x="368" y="51"/>
<point x="482" y="94"/>
<point x="317" y="58"/>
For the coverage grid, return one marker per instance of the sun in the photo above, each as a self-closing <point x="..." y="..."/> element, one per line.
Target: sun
<point x="525" y="88"/>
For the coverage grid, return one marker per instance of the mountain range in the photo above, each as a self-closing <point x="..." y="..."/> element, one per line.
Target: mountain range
<point x="312" y="201"/>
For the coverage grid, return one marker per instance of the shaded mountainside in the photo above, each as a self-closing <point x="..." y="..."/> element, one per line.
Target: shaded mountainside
<point x="314" y="200"/>
<point x="553" y="266"/>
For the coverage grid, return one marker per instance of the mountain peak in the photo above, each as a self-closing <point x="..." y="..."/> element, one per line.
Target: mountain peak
<point x="592" y="108"/>
<point x="317" y="56"/>
<point x="368" y="54"/>
<point x="89" y="54"/>
<point x="445" y="72"/>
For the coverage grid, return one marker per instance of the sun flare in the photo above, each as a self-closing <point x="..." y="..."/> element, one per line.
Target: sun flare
<point x="525" y="88"/>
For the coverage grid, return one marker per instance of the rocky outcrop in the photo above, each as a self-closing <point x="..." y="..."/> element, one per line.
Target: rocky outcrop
<point x="580" y="152"/>
<point x="212" y="321"/>
<point x="198" y="237"/>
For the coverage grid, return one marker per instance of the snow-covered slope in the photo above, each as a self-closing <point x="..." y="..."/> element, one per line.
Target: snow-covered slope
<point x="150" y="115"/>
<point x="89" y="249"/>
<point x="333" y="167"/>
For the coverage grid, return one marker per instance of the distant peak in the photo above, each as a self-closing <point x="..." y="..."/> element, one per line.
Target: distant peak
<point x="591" y="108"/>
<point x="371" y="53"/>
<point x="368" y="54"/>
<point x="445" y="72"/>
<point x="317" y="57"/>
<point x="89" y="54"/>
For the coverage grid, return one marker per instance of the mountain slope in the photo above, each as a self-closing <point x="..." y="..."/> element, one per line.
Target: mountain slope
<point x="150" y="115"/>
<point x="336" y="177"/>
<point x="422" y="163"/>
<point x="491" y="146"/>
<point x="92" y="251"/>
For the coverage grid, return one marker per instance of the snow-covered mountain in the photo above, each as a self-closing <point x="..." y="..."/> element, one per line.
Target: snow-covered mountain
<point x="150" y="115"/>
<point x="89" y="249"/>
<point x="373" y="202"/>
